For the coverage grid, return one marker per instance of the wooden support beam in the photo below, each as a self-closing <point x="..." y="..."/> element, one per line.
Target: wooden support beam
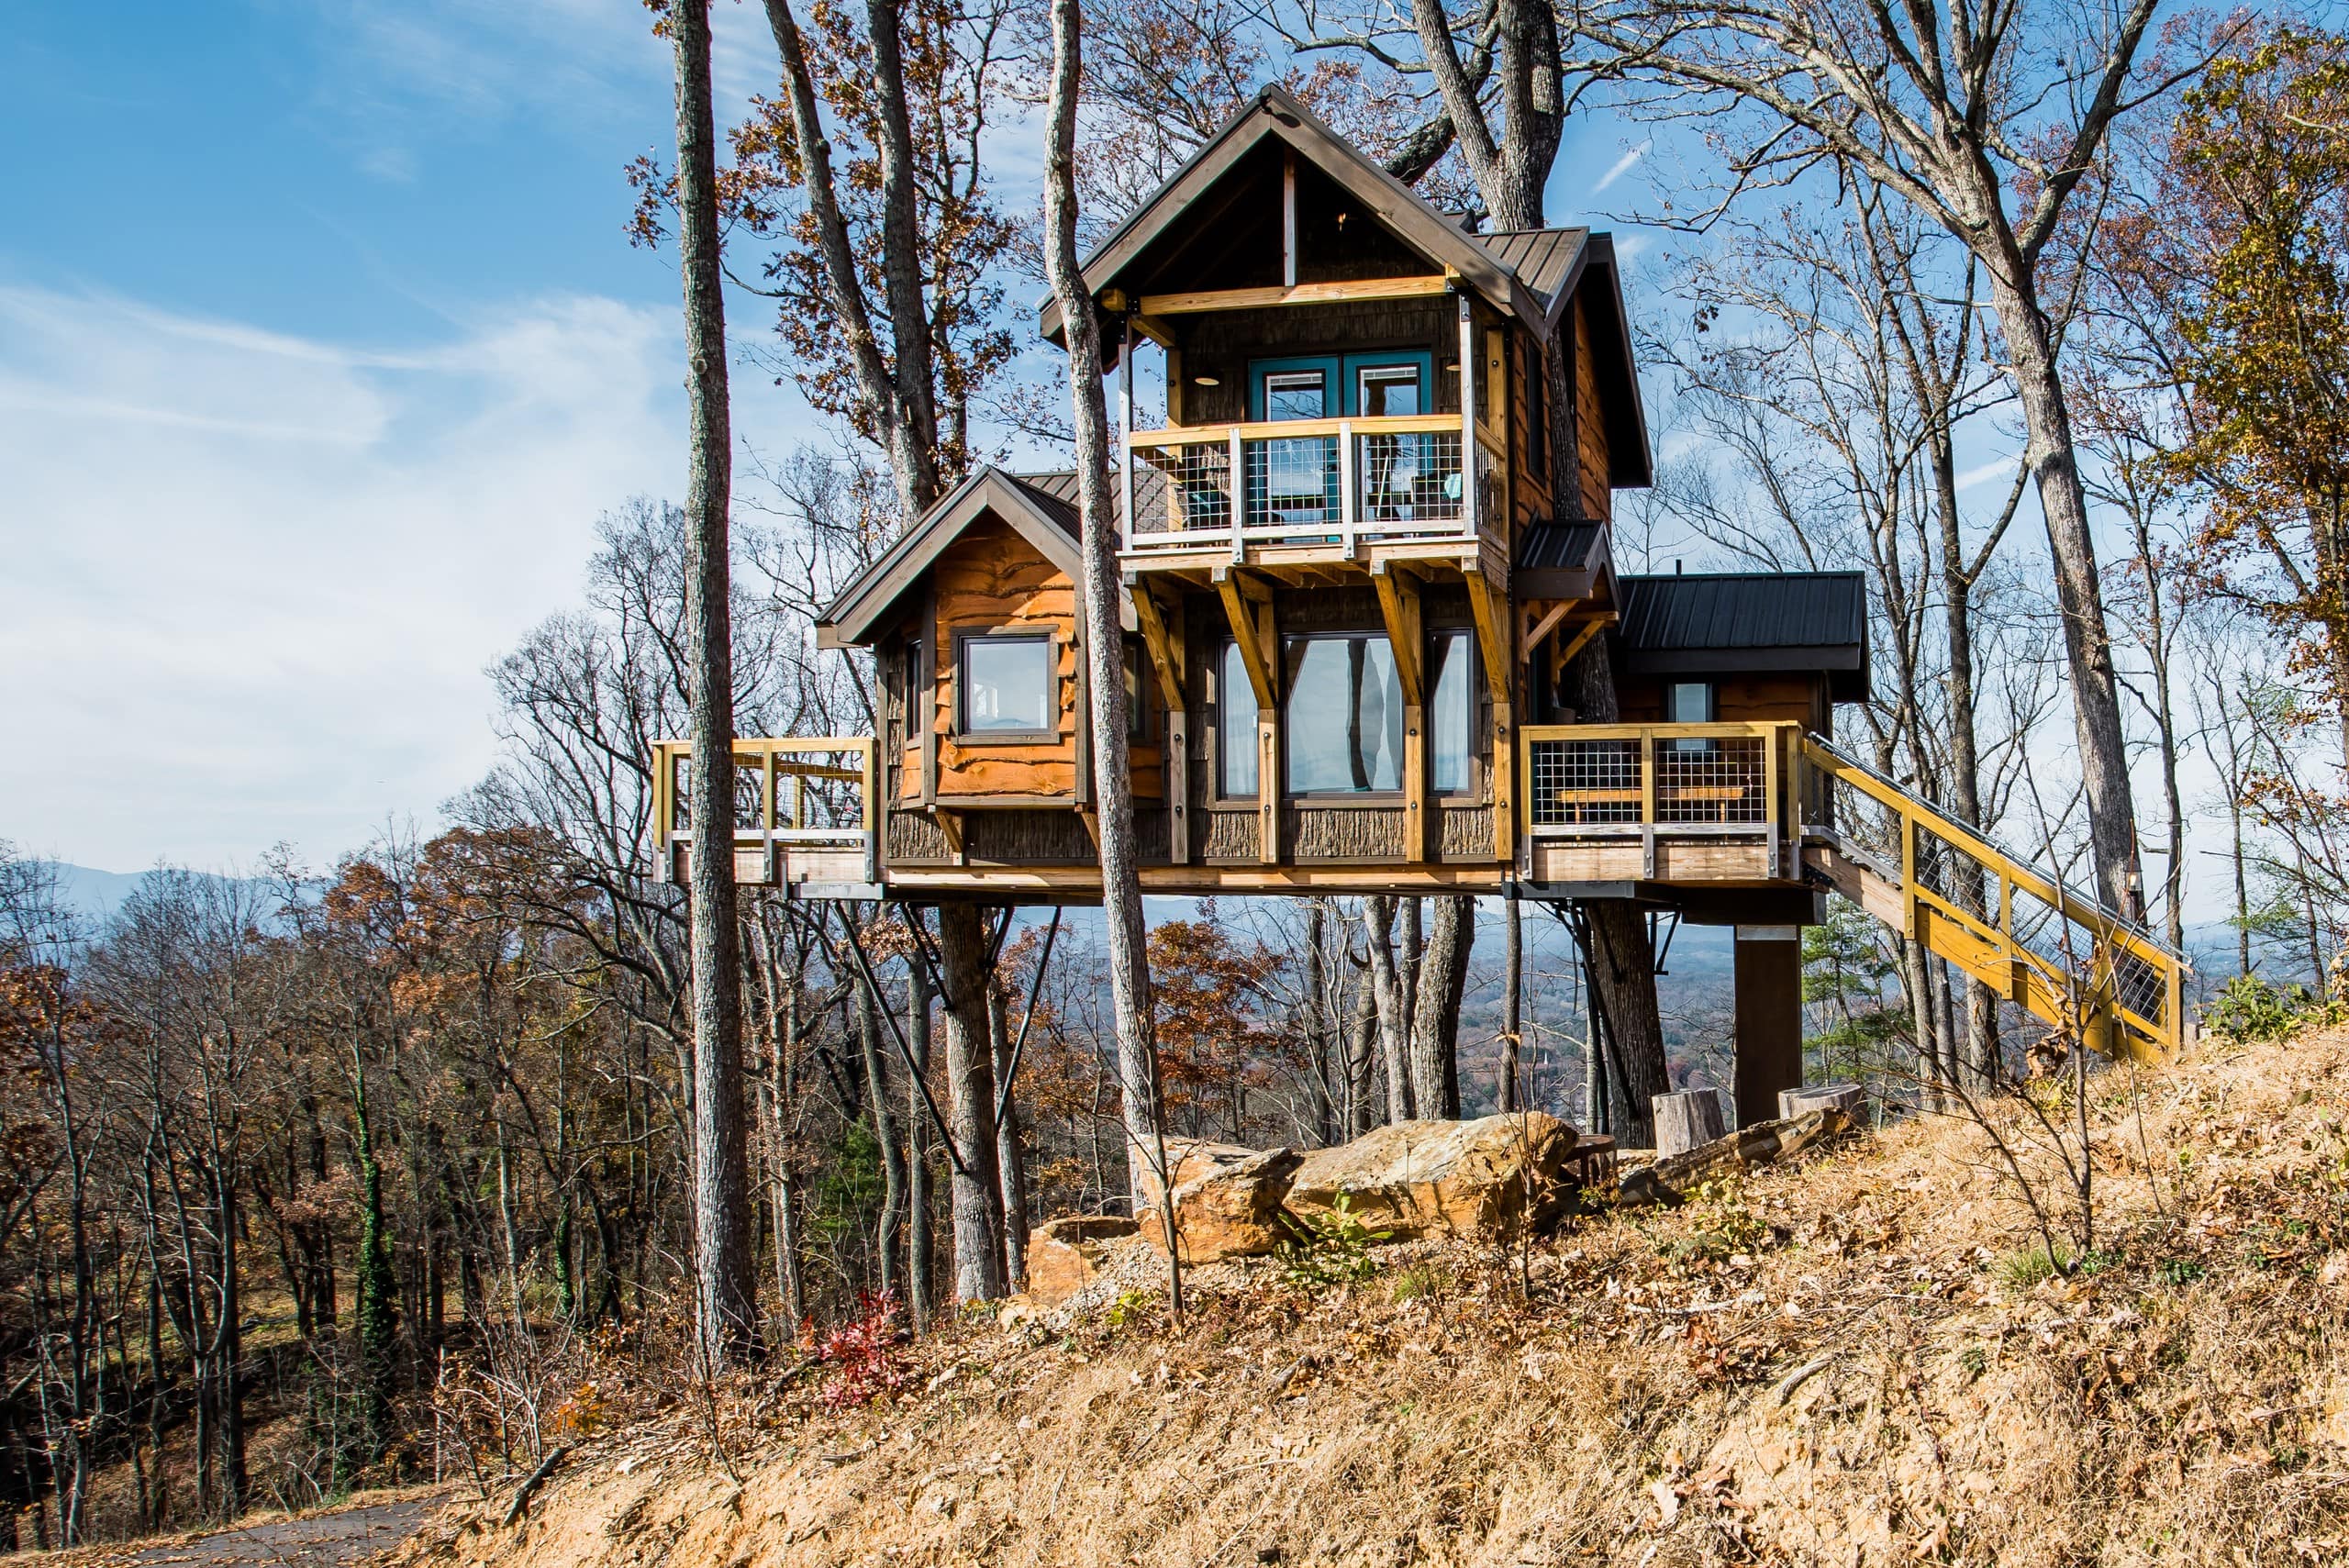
<point x="1248" y="605"/>
<point x="1398" y="606"/>
<point x="1490" y="612"/>
<point x="1207" y="300"/>
<point x="1161" y="638"/>
<point x="1545" y="626"/>
<point x="1581" y="638"/>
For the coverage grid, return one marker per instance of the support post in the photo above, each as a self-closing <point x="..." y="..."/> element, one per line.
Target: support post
<point x="1398" y="606"/>
<point x="1469" y="521"/>
<point x="1126" y="432"/>
<point x="1769" y="1018"/>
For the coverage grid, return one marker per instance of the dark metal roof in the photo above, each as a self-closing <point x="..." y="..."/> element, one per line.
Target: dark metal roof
<point x="1720" y="621"/>
<point x="1055" y="494"/>
<point x="1542" y="259"/>
<point x="1557" y="546"/>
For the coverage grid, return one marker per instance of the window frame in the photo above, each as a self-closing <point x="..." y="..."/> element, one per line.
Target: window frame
<point x="1330" y="797"/>
<point x="964" y="734"/>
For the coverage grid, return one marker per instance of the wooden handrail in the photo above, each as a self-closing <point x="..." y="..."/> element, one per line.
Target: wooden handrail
<point x="1280" y="429"/>
<point x="768" y="752"/>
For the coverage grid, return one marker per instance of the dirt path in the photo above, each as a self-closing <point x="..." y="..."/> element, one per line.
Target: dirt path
<point x="342" y="1538"/>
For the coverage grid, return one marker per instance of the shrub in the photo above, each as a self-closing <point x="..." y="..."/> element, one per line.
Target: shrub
<point x="1333" y="1251"/>
<point x="862" y="1353"/>
<point x="2033" y="1265"/>
<point x="2252" y="1009"/>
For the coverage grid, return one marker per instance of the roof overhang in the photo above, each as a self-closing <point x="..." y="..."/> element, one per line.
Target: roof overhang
<point x="862" y="609"/>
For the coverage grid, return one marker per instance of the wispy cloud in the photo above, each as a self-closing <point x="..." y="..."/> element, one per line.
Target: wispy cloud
<point x="1621" y="167"/>
<point x="253" y="579"/>
<point x="1982" y="474"/>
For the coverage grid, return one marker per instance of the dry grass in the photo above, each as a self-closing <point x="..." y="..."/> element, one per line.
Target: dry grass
<point x="1840" y="1363"/>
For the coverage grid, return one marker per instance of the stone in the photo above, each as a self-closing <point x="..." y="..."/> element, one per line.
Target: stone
<point x="1190" y="1159"/>
<point x="1413" y="1179"/>
<point x="1064" y="1254"/>
<point x="1231" y="1210"/>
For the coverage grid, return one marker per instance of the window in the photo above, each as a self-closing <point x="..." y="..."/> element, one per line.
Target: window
<point x="1452" y="711"/>
<point x="1296" y="394"/>
<point x="1344" y="714"/>
<point x="1135" y="689"/>
<point x="1235" y="726"/>
<point x="1007" y="689"/>
<point x="1381" y="391"/>
<point x="1689" y="702"/>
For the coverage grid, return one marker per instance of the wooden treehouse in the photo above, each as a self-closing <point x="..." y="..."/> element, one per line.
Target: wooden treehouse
<point x="1366" y="571"/>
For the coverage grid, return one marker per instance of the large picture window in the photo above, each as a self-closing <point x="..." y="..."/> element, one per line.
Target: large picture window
<point x="1235" y="726"/>
<point x="1344" y="718"/>
<point x="1452" y="711"/>
<point x="1006" y="688"/>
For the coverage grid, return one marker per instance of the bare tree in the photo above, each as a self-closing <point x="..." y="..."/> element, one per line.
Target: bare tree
<point x="1986" y="121"/>
<point x="1104" y="645"/>
<point x="726" y="1292"/>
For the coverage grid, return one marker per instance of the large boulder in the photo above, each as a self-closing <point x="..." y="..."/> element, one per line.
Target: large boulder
<point x="1442" y="1178"/>
<point x="1229" y="1208"/>
<point x="1064" y="1255"/>
<point x="1191" y="1158"/>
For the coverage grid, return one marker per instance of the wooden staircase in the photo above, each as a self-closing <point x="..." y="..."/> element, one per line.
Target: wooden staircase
<point x="2068" y="961"/>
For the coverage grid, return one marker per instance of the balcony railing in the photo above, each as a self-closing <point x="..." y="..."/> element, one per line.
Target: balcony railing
<point x="1309" y="481"/>
<point x="807" y="808"/>
<point x="1593" y="780"/>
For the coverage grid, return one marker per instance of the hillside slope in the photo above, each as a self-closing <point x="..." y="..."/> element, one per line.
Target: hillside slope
<point x="1846" y="1362"/>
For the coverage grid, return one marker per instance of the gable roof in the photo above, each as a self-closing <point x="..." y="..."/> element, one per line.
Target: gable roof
<point x="1276" y="115"/>
<point x="1530" y="275"/>
<point x="1711" y="622"/>
<point x="1041" y="508"/>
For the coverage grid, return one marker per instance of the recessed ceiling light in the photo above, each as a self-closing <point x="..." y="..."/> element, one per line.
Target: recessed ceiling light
<point x="1205" y="381"/>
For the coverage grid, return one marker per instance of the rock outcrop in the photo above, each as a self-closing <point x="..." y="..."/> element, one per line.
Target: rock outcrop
<point x="1414" y="1179"/>
<point x="1229" y="1208"/>
<point x="1063" y="1255"/>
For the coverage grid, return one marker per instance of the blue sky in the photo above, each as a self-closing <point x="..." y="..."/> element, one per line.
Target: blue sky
<point x="321" y="347"/>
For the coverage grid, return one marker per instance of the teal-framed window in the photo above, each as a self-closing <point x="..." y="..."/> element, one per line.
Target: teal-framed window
<point x="1332" y="386"/>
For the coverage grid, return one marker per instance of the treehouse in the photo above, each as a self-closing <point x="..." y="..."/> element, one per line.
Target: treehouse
<point x="1373" y="637"/>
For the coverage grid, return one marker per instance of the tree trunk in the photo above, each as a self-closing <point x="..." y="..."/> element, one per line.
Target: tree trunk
<point x="1435" y="1019"/>
<point x="1010" y="1161"/>
<point x="1510" y="1097"/>
<point x="1362" y="1057"/>
<point x="726" y="1293"/>
<point x="1386" y="989"/>
<point x="1131" y="1004"/>
<point x="975" y="1185"/>
<point x="2088" y="644"/>
<point x="1624" y="973"/>
<point x="884" y="1133"/>
<point x="1319" y="1052"/>
<point x="920" y="1295"/>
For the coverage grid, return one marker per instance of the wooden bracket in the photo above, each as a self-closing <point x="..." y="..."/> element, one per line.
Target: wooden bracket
<point x="1163" y="639"/>
<point x="1543" y="627"/>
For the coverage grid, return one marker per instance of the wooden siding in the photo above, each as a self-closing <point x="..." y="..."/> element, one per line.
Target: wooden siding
<point x="1798" y="697"/>
<point x="1530" y="486"/>
<point x="1590" y="416"/>
<point x="1220" y="346"/>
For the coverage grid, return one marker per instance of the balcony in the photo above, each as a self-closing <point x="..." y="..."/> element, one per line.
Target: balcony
<point x="1661" y="802"/>
<point x="806" y="814"/>
<point x="1306" y="488"/>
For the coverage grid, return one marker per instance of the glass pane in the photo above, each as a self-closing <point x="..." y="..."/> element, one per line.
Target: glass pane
<point x="1007" y="685"/>
<point x="1296" y="394"/>
<point x="1235" y="739"/>
<point x="1691" y="701"/>
<point x="1389" y="390"/>
<point x="1451" y="716"/>
<point x="1345" y="716"/>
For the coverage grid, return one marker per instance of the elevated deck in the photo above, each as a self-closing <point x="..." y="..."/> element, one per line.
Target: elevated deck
<point x="1702" y="813"/>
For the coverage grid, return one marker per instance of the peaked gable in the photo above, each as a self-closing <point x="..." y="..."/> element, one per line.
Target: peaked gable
<point x="1275" y="118"/>
<point x="1036" y="508"/>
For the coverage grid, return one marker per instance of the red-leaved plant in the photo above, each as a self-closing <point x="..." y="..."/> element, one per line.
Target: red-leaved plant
<point x="862" y="1353"/>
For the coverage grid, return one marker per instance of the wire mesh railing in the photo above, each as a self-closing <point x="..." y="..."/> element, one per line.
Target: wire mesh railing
<point x="806" y="791"/>
<point x="1333" y="481"/>
<point x="1686" y="777"/>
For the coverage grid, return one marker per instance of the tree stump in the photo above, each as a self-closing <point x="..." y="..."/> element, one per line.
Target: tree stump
<point x="1849" y="1098"/>
<point x="1687" y="1120"/>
